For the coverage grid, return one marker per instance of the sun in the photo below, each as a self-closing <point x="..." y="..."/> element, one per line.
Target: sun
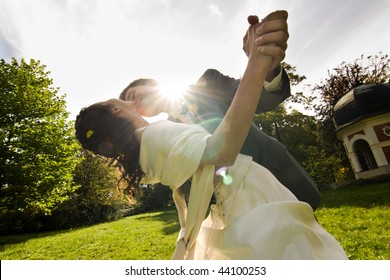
<point x="172" y="91"/>
<point x="172" y="94"/>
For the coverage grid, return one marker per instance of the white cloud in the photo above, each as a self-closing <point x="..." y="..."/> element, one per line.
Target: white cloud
<point x="215" y="10"/>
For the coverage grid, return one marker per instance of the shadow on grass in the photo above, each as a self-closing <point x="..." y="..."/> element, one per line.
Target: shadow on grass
<point x="167" y="215"/>
<point x="365" y="196"/>
<point x="22" y="238"/>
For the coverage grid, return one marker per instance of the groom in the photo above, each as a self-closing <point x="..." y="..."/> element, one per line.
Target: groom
<point x="207" y="101"/>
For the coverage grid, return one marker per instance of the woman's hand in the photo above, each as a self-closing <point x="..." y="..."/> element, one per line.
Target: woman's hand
<point x="271" y="36"/>
<point x="257" y="58"/>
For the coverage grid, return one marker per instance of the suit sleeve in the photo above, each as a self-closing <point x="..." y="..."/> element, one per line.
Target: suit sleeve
<point x="269" y="100"/>
<point x="219" y="89"/>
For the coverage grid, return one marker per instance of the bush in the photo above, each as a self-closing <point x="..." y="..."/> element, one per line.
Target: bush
<point x="361" y="182"/>
<point x="153" y="197"/>
<point x="62" y="218"/>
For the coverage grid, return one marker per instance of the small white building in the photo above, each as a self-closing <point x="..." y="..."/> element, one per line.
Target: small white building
<point x="362" y="121"/>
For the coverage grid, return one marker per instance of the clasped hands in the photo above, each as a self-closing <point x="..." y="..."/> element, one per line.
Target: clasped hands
<point x="271" y="38"/>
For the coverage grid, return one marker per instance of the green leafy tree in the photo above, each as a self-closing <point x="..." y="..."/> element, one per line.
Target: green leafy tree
<point x="152" y="197"/>
<point x="99" y="197"/>
<point x="98" y="180"/>
<point x="37" y="151"/>
<point x="295" y="130"/>
<point x="299" y="133"/>
<point x="295" y="79"/>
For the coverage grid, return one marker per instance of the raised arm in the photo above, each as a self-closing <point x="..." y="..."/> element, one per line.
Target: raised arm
<point x="214" y="92"/>
<point x="272" y="38"/>
<point x="226" y="141"/>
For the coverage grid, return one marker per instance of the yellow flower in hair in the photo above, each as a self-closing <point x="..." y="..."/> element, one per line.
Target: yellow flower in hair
<point x="89" y="133"/>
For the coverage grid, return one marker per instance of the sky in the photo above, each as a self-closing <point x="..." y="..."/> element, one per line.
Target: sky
<point x="94" y="48"/>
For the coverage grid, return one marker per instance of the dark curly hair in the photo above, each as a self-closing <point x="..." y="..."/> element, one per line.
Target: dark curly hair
<point x="103" y="133"/>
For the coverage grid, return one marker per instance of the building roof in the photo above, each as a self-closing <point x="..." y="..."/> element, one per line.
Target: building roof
<point x="363" y="101"/>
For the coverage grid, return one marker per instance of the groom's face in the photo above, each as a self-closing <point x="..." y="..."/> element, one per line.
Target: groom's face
<point x="147" y="99"/>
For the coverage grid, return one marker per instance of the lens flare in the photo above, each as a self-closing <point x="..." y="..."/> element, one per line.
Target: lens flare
<point x="227" y="179"/>
<point x="172" y="91"/>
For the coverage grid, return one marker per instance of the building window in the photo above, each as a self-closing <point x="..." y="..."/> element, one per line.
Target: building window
<point x="364" y="155"/>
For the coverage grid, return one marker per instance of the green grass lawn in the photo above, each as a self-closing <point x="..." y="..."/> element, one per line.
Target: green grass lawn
<point x="358" y="217"/>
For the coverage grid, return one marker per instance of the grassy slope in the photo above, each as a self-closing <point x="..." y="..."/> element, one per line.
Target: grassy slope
<point x="356" y="216"/>
<point x="142" y="237"/>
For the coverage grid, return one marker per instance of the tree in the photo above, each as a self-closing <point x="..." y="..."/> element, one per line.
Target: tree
<point x="346" y="76"/>
<point x="99" y="197"/>
<point x="152" y="197"/>
<point x="38" y="151"/>
<point x="296" y="79"/>
<point x="97" y="179"/>
<point x="295" y="130"/>
<point x="300" y="134"/>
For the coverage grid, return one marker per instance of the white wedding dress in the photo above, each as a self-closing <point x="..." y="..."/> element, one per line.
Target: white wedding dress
<point x="255" y="216"/>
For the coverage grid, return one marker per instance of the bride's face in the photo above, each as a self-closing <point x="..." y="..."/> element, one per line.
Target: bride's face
<point x="127" y="108"/>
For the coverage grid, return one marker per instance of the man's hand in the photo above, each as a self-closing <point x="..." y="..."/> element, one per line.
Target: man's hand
<point x="272" y="38"/>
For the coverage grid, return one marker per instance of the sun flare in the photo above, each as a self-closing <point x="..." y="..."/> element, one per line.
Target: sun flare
<point x="173" y="91"/>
